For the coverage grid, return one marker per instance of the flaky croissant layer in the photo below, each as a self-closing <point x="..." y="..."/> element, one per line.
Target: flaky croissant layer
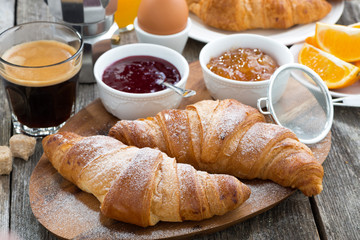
<point x="141" y="186"/>
<point x="227" y="137"/>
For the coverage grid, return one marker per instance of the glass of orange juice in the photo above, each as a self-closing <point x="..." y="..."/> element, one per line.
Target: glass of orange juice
<point x="126" y="13"/>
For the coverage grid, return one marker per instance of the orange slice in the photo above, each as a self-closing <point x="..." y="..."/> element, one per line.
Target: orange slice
<point x="335" y="72"/>
<point x="312" y="41"/>
<point x="355" y="25"/>
<point x="341" y="41"/>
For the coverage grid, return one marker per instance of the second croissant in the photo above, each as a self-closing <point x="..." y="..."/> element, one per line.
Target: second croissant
<point x="227" y="137"/>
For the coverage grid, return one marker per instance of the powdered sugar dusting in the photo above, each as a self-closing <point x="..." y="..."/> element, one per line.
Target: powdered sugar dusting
<point x="264" y="194"/>
<point x="185" y="173"/>
<point x="228" y="121"/>
<point x="256" y="138"/>
<point x="95" y="146"/>
<point x="142" y="168"/>
<point x="64" y="208"/>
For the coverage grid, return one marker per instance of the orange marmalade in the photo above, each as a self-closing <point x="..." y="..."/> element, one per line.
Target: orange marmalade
<point x="243" y="64"/>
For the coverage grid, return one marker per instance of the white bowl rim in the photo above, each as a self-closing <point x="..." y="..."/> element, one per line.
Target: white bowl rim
<point x="166" y="91"/>
<point x="242" y="35"/>
<point x="184" y="31"/>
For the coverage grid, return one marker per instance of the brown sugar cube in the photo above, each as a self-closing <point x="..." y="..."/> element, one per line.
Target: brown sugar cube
<point x="22" y="146"/>
<point x="5" y="160"/>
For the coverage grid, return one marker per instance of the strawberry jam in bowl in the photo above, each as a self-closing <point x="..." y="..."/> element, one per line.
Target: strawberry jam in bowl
<point x="127" y="77"/>
<point x="140" y="74"/>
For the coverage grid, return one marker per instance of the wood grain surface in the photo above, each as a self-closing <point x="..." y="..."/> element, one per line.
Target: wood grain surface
<point x="7" y="10"/>
<point x="334" y="214"/>
<point x="50" y="194"/>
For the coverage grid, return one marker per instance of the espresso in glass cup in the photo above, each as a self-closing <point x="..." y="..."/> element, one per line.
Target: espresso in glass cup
<point x="40" y="65"/>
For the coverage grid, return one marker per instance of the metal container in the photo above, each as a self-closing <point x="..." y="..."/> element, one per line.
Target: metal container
<point x="89" y="17"/>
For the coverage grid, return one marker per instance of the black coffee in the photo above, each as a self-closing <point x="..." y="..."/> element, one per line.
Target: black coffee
<point x="40" y="107"/>
<point x="41" y="97"/>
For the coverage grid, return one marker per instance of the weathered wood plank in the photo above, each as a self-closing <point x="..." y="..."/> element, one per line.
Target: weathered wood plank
<point x="192" y="50"/>
<point x="339" y="204"/>
<point x="5" y="133"/>
<point x="351" y="13"/>
<point x="22" y="221"/>
<point x="4" y="203"/>
<point x="291" y="219"/>
<point x="7" y="10"/>
<point x="86" y="94"/>
<point x="34" y="10"/>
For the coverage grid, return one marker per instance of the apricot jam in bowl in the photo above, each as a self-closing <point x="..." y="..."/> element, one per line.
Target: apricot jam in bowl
<point x="239" y="66"/>
<point x="127" y="77"/>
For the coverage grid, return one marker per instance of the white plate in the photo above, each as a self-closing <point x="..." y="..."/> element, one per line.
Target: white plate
<point x="298" y="33"/>
<point x="343" y="92"/>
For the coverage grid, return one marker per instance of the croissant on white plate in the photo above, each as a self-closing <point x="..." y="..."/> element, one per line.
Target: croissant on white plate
<point x="141" y="186"/>
<point x="239" y="15"/>
<point x="227" y="137"/>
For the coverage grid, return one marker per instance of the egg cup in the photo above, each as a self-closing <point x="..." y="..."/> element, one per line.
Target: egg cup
<point x="175" y="41"/>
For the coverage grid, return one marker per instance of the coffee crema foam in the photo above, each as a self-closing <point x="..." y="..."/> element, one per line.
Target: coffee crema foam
<point x="40" y="55"/>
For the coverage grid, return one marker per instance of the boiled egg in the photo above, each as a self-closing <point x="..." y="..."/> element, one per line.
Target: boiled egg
<point x="163" y="17"/>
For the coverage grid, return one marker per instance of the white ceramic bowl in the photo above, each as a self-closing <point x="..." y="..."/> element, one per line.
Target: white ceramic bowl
<point x="131" y="106"/>
<point x="245" y="92"/>
<point x="175" y="41"/>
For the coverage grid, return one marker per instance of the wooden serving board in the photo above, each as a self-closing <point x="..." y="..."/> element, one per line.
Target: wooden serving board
<point x="70" y="213"/>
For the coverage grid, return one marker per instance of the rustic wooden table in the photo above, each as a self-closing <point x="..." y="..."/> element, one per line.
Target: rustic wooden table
<point x="334" y="214"/>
